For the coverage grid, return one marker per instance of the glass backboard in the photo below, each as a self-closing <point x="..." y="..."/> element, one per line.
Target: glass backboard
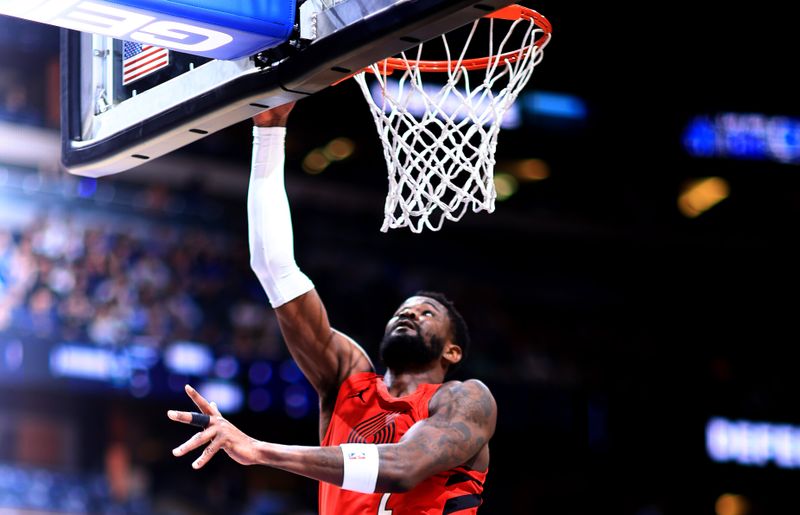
<point x="116" y="114"/>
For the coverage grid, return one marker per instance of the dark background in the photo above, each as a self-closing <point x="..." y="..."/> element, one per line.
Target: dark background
<point x="609" y="326"/>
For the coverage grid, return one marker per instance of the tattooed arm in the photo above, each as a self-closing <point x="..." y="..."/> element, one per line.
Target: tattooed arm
<point x="462" y="419"/>
<point x="461" y="422"/>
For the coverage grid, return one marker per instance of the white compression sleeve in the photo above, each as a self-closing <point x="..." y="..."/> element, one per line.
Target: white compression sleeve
<point x="269" y="220"/>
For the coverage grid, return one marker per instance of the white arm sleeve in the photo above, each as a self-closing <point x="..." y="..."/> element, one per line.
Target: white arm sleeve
<point x="270" y="222"/>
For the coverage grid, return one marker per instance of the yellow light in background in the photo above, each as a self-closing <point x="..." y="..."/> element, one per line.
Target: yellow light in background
<point x="732" y="504"/>
<point x="319" y="159"/>
<point x="315" y="162"/>
<point x="531" y="170"/>
<point x="700" y="195"/>
<point x="505" y="184"/>
<point x="339" y="148"/>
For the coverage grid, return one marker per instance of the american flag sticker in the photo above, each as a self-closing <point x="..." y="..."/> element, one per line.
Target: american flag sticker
<point x="140" y="60"/>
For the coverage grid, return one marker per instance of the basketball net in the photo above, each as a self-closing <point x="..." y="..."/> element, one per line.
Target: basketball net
<point x="439" y="141"/>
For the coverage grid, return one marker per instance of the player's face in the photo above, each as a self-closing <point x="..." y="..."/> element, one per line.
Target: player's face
<point x="415" y="335"/>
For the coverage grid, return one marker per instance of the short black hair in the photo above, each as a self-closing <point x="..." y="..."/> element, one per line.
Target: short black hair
<point x="457" y="323"/>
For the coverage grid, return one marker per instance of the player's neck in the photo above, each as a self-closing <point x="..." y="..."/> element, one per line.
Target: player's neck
<point x="404" y="383"/>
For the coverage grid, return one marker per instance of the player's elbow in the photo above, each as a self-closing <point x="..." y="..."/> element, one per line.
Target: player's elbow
<point x="400" y="477"/>
<point x="263" y="266"/>
<point x="399" y="485"/>
<point x="259" y="264"/>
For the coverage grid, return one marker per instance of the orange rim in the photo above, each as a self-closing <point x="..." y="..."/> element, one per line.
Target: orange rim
<point x="510" y="13"/>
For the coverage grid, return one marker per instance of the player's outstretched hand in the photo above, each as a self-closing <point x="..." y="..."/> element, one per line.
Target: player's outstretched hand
<point x="218" y="434"/>
<point x="275" y="117"/>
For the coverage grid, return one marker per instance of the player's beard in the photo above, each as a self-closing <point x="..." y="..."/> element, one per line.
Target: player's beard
<point x="406" y="351"/>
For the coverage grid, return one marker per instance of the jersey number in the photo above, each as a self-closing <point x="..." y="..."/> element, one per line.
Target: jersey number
<point x="382" y="508"/>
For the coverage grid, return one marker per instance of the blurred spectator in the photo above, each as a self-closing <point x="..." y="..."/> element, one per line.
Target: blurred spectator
<point x="108" y="327"/>
<point x="16" y="104"/>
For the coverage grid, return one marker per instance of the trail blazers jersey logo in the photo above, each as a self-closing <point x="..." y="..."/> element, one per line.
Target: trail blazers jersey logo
<point x="377" y="429"/>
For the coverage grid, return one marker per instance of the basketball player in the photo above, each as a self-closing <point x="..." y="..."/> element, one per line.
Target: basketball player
<point x="404" y="443"/>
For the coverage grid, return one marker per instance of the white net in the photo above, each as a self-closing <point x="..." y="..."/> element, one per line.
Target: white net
<point x="439" y="140"/>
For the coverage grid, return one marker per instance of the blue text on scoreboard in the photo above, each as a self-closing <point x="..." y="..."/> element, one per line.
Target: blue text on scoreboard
<point x="217" y="29"/>
<point x="750" y="136"/>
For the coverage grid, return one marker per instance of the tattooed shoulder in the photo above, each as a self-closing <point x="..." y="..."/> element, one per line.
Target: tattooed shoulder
<point x="470" y="400"/>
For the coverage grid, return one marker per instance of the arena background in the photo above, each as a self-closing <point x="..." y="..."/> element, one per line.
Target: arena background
<point x="612" y="324"/>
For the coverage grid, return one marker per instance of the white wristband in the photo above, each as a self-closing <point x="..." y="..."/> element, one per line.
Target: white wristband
<point x="270" y="223"/>
<point x="361" y="465"/>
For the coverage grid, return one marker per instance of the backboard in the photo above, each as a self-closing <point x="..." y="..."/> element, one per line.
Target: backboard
<point x="115" y="118"/>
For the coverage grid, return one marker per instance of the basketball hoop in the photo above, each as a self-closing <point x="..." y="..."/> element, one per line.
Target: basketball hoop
<point x="439" y="141"/>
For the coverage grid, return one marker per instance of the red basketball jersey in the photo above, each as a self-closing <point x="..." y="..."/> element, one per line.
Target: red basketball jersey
<point x="366" y="412"/>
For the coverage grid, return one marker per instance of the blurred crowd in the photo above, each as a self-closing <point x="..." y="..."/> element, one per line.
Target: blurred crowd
<point x="98" y="277"/>
<point x="113" y="284"/>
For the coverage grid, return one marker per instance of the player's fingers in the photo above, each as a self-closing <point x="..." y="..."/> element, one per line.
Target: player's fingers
<point x="215" y="409"/>
<point x="208" y="453"/>
<point x="194" y="442"/>
<point x="180" y="416"/>
<point x="189" y="417"/>
<point x="199" y="400"/>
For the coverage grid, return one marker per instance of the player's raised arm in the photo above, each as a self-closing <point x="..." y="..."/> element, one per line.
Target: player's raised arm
<point x="325" y="356"/>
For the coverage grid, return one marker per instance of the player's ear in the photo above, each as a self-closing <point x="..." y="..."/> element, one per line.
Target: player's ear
<point x="452" y="353"/>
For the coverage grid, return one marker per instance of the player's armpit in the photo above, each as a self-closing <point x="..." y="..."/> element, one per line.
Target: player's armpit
<point x="462" y="419"/>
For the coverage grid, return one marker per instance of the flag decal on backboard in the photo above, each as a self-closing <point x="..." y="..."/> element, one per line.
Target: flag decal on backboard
<point x="140" y="60"/>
